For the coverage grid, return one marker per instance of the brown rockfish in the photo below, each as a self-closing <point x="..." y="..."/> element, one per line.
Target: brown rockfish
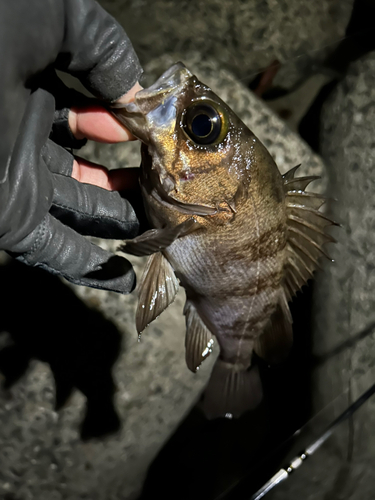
<point x="240" y="237"/>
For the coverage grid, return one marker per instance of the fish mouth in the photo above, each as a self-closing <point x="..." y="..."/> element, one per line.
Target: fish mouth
<point x="155" y="108"/>
<point x="155" y="104"/>
<point x="169" y="83"/>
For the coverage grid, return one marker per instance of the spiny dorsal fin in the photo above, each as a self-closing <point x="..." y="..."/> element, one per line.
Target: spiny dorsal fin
<point x="276" y="341"/>
<point x="198" y="340"/>
<point x="306" y="234"/>
<point x="157" y="290"/>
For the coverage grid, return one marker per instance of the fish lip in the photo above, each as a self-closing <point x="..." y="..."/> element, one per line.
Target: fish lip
<point x="133" y="115"/>
<point x="130" y="107"/>
<point x="170" y="82"/>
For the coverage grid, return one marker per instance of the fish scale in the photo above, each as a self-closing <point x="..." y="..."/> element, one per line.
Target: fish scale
<point x="207" y="282"/>
<point x="240" y="237"/>
<point x="207" y="272"/>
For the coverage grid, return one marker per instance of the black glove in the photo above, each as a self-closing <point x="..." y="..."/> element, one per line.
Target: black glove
<point x="42" y="209"/>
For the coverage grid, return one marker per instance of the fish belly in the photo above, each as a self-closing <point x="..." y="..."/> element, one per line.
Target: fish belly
<point x="237" y="322"/>
<point x="234" y="295"/>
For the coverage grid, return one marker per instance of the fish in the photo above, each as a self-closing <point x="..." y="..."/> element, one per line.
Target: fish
<point x="241" y="238"/>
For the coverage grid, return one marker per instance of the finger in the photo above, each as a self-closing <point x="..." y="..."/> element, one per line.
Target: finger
<point x="60" y="161"/>
<point x="60" y="250"/>
<point x="93" y="211"/>
<point x="113" y="180"/>
<point x="57" y="158"/>
<point x="130" y="96"/>
<point x="65" y="98"/>
<point x="95" y="123"/>
<point x="88" y="208"/>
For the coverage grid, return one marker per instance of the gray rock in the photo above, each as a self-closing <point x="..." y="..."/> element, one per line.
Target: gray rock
<point x="41" y="454"/>
<point x="344" y="299"/>
<point x="243" y="37"/>
<point x="345" y="294"/>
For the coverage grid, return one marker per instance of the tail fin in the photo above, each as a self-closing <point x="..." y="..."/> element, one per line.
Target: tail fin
<point x="231" y="390"/>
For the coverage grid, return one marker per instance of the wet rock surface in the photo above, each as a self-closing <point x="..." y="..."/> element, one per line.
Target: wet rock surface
<point x="119" y="400"/>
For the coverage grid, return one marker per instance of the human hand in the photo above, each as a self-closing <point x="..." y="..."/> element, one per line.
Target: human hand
<point x="95" y="123"/>
<point x="48" y="199"/>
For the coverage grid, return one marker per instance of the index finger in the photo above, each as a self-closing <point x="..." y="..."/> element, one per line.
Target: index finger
<point x="97" y="124"/>
<point x="94" y="122"/>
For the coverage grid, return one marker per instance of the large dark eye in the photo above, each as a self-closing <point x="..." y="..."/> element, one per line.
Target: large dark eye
<point x="203" y="122"/>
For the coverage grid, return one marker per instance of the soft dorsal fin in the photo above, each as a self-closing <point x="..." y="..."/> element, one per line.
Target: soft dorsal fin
<point x="157" y="290"/>
<point x="276" y="341"/>
<point x="198" y="340"/>
<point x="306" y="234"/>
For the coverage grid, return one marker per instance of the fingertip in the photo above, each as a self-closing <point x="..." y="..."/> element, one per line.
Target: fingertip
<point x="130" y="95"/>
<point x="90" y="173"/>
<point x="112" y="180"/>
<point x="95" y="123"/>
<point x="116" y="274"/>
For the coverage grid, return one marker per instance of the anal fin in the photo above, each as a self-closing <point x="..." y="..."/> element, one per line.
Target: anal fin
<point x="198" y="341"/>
<point x="276" y="341"/>
<point x="157" y="290"/>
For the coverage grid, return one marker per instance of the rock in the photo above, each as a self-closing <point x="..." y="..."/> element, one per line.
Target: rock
<point x="244" y="37"/>
<point x="344" y="299"/>
<point x="349" y="148"/>
<point x="41" y="453"/>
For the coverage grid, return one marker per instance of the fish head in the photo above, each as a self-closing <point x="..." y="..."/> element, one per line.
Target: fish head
<point x="197" y="153"/>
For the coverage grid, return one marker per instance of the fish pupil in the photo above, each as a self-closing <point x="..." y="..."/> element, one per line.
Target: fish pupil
<point x="201" y="125"/>
<point x="202" y="122"/>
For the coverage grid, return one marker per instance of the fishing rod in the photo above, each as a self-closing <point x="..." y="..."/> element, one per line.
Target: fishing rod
<point x="285" y="472"/>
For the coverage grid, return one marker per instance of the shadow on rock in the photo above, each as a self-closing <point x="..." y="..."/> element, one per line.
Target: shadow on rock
<point x="358" y="41"/>
<point x="226" y="459"/>
<point x="46" y="321"/>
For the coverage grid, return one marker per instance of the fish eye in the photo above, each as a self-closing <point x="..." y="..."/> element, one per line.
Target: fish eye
<point x="203" y="122"/>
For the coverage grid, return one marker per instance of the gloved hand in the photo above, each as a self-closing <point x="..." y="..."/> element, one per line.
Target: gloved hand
<point x="44" y="210"/>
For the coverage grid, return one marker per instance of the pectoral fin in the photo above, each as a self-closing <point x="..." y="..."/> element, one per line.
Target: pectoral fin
<point x="198" y="340"/>
<point x="276" y="341"/>
<point x="154" y="240"/>
<point x="185" y="208"/>
<point x="157" y="290"/>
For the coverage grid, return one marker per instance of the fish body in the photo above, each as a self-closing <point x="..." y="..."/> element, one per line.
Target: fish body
<point x="240" y="237"/>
